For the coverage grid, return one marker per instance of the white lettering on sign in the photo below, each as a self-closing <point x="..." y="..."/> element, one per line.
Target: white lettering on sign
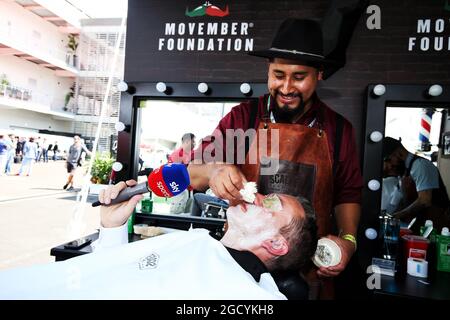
<point x="423" y="26"/>
<point x="223" y="36"/>
<point x="430" y="37"/>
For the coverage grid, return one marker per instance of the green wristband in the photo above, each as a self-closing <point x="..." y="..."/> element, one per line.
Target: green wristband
<point x="350" y="238"/>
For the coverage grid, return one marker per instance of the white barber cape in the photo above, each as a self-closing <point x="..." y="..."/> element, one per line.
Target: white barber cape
<point x="177" y="265"/>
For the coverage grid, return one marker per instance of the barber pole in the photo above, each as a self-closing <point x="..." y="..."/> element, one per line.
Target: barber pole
<point x="425" y="128"/>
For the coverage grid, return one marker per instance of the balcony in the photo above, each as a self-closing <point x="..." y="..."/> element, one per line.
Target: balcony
<point x="21" y="43"/>
<point x="62" y="14"/>
<point x="13" y="97"/>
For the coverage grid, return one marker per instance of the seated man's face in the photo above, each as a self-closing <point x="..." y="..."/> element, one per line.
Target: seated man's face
<point x="259" y="222"/>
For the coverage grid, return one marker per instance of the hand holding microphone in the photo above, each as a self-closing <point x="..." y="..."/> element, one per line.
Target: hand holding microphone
<point x="166" y="181"/>
<point x="115" y="216"/>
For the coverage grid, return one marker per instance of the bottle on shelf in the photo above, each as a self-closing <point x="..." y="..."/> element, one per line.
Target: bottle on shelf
<point x="443" y="250"/>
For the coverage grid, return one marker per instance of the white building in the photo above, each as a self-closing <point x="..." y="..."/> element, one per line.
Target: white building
<point x="98" y="40"/>
<point x="39" y="74"/>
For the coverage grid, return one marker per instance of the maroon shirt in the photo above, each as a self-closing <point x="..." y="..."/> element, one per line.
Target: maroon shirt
<point x="348" y="180"/>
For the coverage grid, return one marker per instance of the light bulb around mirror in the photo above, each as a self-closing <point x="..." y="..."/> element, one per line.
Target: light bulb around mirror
<point x="245" y="88"/>
<point x="117" y="166"/>
<point x="122" y="86"/>
<point x="202" y="87"/>
<point x="376" y="136"/>
<point x="435" y="90"/>
<point x="371" y="233"/>
<point x="379" y="89"/>
<point x="161" y="87"/>
<point x="119" y="126"/>
<point x="374" y="185"/>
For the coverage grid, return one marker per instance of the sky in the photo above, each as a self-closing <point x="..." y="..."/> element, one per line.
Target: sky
<point x="102" y="8"/>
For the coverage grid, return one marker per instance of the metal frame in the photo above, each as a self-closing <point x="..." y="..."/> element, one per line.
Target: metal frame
<point x="127" y="153"/>
<point x="395" y="95"/>
<point x="130" y="115"/>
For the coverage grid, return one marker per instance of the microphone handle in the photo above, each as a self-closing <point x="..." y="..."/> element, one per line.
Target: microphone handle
<point x="127" y="194"/>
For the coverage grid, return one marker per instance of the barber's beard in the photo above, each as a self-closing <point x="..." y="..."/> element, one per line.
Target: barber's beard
<point x="285" y="114"/>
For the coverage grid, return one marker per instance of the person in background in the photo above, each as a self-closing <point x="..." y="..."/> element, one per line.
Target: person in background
<point x="73" y="160"/>
<point x="183" y="153"/>
<point x="19" y="149"/>
<point x="55" y="150"/>
<point x="45" y="147"/>
<point x="39" y="149"/>
<point x="182" y="202"/>
<point x="11" y="154"/>
<point x="4" y="150"/>
<point x="424" y="194"/>
<point x="29" y="156"/>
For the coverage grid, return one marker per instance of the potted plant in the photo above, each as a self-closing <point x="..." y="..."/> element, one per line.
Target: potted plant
<point x="69" y="95"/>
<point x="4" y="83"/>
<point x="101" y="170"/>
<point x="73" y="45"/>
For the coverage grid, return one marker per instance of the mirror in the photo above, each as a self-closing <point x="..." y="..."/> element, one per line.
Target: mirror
<point x="169" y="131"/>
<point x="410" y="125"/>
<point x="394" y="113"/>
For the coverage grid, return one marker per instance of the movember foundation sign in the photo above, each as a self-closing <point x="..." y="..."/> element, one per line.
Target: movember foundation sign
<point x="214" y="35"/>
<point x="193" y="40"/>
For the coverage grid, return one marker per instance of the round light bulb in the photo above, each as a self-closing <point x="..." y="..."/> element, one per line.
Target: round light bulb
<point x="435" y="90"/>
<point x="371" y="233"/>
<point x="202" y="87"/>
<point x="161" y="87"/>
<point x="122" y="86"/>
<point x="379" y="89"/>
<point x="245" y="88"/>
<point x="119" y="126"/>
<point x="374" y="185"/>
<point x="117" y="166"/>
<point x="376" y="136"/>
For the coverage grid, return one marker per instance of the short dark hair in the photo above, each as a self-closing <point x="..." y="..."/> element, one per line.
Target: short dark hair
<point x="187" y="136"/>
<point x="301" y="235"/>
<point x="389" y="146"/>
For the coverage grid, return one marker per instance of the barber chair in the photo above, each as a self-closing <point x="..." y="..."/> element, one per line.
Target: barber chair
<point x="292" y="285"/>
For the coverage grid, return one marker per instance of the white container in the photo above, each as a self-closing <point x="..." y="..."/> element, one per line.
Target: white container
<point x="417" y="267"/>
<point x="328" y="253"/>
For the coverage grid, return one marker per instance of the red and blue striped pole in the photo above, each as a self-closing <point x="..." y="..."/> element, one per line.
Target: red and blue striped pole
<point x="425" y="129"/>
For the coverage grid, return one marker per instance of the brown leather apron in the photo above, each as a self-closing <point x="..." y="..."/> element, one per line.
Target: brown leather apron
<point x="305" y="168"/>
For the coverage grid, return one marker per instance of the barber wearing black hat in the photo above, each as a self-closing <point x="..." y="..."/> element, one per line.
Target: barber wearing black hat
<point x="317" y="152"/>
<point x="424" y="193"/>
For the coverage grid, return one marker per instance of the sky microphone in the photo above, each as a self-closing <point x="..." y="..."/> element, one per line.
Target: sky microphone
<point x="166" y="181"/>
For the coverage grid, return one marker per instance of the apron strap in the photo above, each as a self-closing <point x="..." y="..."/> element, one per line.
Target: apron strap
<point x="252" y="121"/>
<point x="337" y="141"/>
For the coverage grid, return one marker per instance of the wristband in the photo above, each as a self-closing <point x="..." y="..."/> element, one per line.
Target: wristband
<point x="350" y="238"/>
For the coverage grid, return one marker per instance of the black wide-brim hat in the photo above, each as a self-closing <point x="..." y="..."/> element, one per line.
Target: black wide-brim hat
<point x="299" y="40"/>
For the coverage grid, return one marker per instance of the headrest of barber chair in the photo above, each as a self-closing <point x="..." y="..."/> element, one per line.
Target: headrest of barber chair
<point x="291" y="284"/>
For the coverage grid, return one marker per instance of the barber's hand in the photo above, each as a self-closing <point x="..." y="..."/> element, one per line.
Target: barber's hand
<point x="347" y="250"/>
<point x="225" y="181"/>
<point x="258" y="202"/>
<point x="116" y="215"/>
